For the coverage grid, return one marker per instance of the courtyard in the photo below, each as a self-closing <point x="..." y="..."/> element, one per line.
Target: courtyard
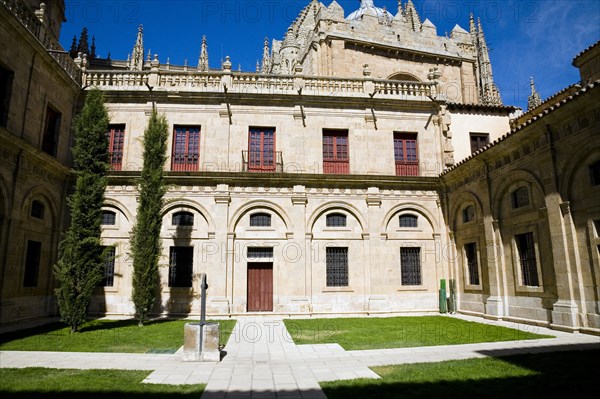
<point x="269" y="357"/>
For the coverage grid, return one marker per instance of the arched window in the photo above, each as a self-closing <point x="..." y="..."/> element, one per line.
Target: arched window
<point x="260" y="220"/>
<point x="468" y="214"/>
<point x="336" y="220"/>
<point x="183" y="219"/>
<point x="405" y="77"/>
<point x="408" y="220"/>
<point x="37" y="210"/>
<point x="109" y="218"/>
<point x="520" y="197"/>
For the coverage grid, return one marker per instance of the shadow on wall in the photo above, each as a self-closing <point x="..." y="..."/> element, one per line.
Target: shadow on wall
<point x="181" y="278"/>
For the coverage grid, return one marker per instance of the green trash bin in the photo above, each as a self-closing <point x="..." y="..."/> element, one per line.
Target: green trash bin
<point x="443" y="302"/>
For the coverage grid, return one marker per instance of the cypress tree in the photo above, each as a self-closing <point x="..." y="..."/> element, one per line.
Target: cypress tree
<point x="80" y="267"/>
<point x="146" y="246"/>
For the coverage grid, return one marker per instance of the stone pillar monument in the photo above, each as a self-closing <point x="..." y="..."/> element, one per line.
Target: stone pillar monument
<point x="201" y="340"/>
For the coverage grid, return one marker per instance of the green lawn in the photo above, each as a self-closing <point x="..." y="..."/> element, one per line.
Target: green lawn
<point x="160" y="336"/>
<point x="400" y="332"/>
<point x="547" y="375"/>
<point x="70" y="384"/>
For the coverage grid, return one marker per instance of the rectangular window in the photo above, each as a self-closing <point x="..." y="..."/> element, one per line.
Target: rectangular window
<point x="595" y="173"/>
<point x="109" y="268"/>
<point x="410" y="265"/>
<point x="32" y="263"/>
<point x="186" y="149"/>
<point x="472" y="264"/>
<point x="6" y="79"/>
<point x="335" y="152"/>
<point x="116" y="139"/>
<point x="181" y="266"/>
<point x="51" y="130"/>
<point x="527" y="259"/>
<point x="479" y="141"/>
<point x="406" y="154"/>
<point x="262" y="253"/>
<point x="261" y="150"/>
<point x="337" y="266"/>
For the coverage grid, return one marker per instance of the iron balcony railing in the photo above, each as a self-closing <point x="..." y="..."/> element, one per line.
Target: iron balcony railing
<point x="262" y="161"/>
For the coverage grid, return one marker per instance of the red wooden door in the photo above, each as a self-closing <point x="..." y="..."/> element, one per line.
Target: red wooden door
<point x="260" y="287"/>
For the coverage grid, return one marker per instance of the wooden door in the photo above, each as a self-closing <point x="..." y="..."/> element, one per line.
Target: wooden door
<point x="260" y="287"/>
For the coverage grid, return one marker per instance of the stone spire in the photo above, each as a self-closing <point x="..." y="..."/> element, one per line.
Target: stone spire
<point x="266" y="60"/>
<point x="73" y="51"/>
<point x="289" y="52"/>
<point x="410" y="11"/>
<point x="203" y="60"/>
<point x="93" y="48"/>
<point x="488" y="92"/>
<point x="137" y="57"/>
<point x="534" y="99"/>
<point x="400" y="10"/>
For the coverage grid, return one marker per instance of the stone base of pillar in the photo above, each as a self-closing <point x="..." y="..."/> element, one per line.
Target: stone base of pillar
<point x="209" y="347"/>
<point x="565" y="316"/>
<point x="218" y="306"/>
<point x="494" y="307"/>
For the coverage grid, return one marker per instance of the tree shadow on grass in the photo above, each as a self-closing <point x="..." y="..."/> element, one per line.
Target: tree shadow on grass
<point x="547" y="375"/>
<point x="97" y="395"/>
<point x="61" y="329"/>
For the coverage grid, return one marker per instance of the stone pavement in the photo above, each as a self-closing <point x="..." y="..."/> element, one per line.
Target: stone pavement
<point x="261" y="360"/>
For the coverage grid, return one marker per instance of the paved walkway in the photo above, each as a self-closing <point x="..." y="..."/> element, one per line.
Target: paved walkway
<point x="261" y="361"/>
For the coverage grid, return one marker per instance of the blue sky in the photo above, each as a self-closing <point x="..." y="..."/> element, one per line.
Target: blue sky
<point x="536" y="38"/>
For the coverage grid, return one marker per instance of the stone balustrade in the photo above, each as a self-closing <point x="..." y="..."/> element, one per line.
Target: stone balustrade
<point x="32" y="21"/>
<point x="232" y="82"/>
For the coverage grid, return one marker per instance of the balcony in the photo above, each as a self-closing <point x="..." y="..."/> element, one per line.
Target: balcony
<point x="407" y="168"/>
<point x="184" y="162"/>
<point x="336" y="167"/>
<point x="262" y="161"/>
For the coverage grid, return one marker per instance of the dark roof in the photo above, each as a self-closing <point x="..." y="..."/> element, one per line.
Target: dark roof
<point x="482" y="107"/>
<point x="532" y="119"/>
<point x="584" y="52"/>
<point x="547" y="103"/>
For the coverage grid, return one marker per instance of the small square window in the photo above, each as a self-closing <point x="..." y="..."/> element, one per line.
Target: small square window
<point x="109" y="218"/>
<point x="520" y="197"/>
<point x="260" y="252"/>
<point x="469" y="214"/>
<point x="409" y="221"/>
<point x="37" y="210"/>
<point x="336" y="220"/>
<point x="479" y="141"/>
<point x="260" y="220"/>
<point x="183" y="219"/>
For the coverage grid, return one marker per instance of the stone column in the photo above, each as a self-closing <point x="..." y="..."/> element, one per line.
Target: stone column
<point x="221" y="278"/>
<point x="300" y="304"/>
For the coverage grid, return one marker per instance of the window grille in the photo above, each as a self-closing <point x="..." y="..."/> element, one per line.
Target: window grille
<point x="409" y="221"/>
<point x="527" y="259"/>
<point x="183" y="219"/>
<point x="337" y="267"/>
<point x="472" y="265"/>
<point x="336" y="220"/>
<point x="109" y="218"/>
<point x="260" y="252"/>
<point x="410" y="265"/>
<point x="109" y="267"/>
<point x="260" y="220"/>
<point x="520" y="197"/>
<point x="181" y="267"/>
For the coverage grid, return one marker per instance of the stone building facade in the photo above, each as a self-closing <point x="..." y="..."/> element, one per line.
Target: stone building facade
<point x="39" y="91"/>
<point x="321" y="187"/>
